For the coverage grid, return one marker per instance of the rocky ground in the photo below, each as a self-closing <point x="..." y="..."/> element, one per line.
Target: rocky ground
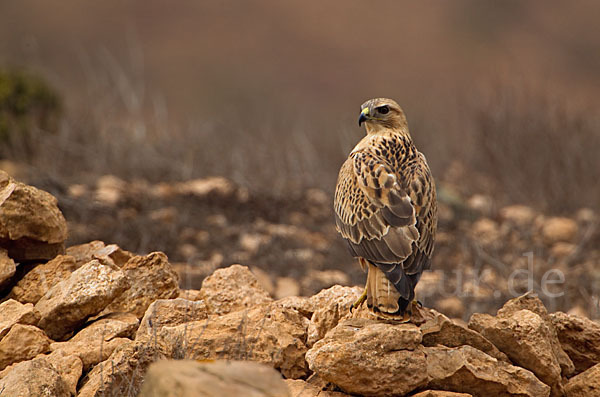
<point x="94" y="319"/>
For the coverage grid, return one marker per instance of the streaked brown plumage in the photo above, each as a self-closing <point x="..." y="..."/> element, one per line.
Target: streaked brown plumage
<point x="385" y="207"/>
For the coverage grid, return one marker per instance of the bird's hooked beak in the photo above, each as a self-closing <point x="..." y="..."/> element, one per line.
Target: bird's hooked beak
<point x="364" y="116"/>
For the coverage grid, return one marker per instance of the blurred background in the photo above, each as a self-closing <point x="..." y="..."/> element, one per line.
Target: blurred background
<point x="214" y="131"/>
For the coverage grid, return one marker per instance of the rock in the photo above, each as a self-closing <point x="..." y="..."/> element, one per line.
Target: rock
<point x="301" y="388"/>
<point x="31" y="225"/>
<point x="328" y="307"/>
<point x="451" y="306"/>
<point x="35" y="283"/>
<point x="518" y="215"/>
<point x="579" y="338"/>
<point x="122" y="373"/>
<point x="110" y="189"/>
<point x="481" y="203"/>
<point x="83" y="253"/>
<point x="301" y="304"/>
<point x="190" y="294"/>
<point x="286" y="286"/>
<point x="170" y="312"/>
<point x="264" y="279"/>
<point x="367" y="357"/>
<point x="216" y="379"/>
<point x="586" y="384"/>
<point x="37" y="377"/>
<point x="440" y="330"/>
<point x="317" y="280"/>
<point x="68" y="304"/>
<point x="232" y="288"/>
<point x="562" y="249"/>
<point x="525" y="338"/>
<point x="559" y="229"/>
<point x="13" y="312"/>
<point x="68" y="366"/>
<point x="150" y="277"/>
<point x="217" y="186"/>
<point x="266" y="333"/>
<point x="530" y="301"/>
<point x="7" y="268"/>
<point x="23" y="342"/>
<point x="97" y="341"/>
<point x="440" y="393"/>
<point x="468" y="370"/>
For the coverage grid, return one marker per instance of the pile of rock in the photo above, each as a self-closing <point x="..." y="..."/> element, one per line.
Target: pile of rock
<point x="96" y="320"/>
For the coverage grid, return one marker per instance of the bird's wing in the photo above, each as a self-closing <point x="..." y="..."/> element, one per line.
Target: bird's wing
<point x="373" y="213"/>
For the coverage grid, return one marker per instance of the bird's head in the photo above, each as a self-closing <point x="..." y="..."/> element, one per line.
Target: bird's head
<point x="382" y="113"/>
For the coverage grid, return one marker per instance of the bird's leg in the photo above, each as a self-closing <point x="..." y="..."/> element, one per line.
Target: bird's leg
<point x="360" y="300"/>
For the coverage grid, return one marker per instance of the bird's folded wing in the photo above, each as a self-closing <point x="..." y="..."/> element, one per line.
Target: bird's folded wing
<point x="373" y="213"/>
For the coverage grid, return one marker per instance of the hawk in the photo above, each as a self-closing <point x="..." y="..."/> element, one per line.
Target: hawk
<point x="385" y="208"/>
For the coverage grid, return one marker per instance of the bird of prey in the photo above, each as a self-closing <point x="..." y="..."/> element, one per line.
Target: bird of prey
<point x="385" y="208"/>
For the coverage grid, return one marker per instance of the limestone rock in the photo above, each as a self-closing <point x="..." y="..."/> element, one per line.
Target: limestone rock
<point x="97" y="341"/>
<point x="190" y="294"/>
<point x="150" y="277"/>
<point x="286" y="286"/>
<point x="301" y="388"/>
<point x="85" y="293"/>
<point x="7" y="268"/>
<point x="519" y="215"/>
<point x="23" y="342"/>
<point x="266" y="333"/>
<point x="122" y="373"/>
<point x="440" y="393"/>
<point x="37" y="377"/>
<point x="213" y="379"/>
<point x="530" y="301"/>
<point x="559" y="230"/>
<point x="83" y="253"/>
<point x="13" y="312"/>
<point x="579" y="338"/>
<point x="31" y="225"/>
<point x="367" y="357"/>
<point x="170" y="312"/>
<point x="35" y="283"/>
<point x="525" y="338"/>
<point x="232" y="288"/>
<point x="69" y="367"/>
<point x="468" y="370"/>
<point x="301" y="304"/>
<point x="329" y="306"/>
<point x="440" y="330"/>
<point x="586" y="384"/>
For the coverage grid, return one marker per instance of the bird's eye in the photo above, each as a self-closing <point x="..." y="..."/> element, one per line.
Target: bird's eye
<point x="383" y="109"/>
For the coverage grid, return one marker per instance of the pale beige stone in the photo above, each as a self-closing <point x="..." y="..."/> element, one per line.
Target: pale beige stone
<point x="68" y="304"/>
<point x="31" y="225"/>
<point x="371" y="358"/>
<point x="579" y="338"/>
<point x="97" y="341"/>
<point x="232" y="288"/>
<point x="440" y="330"/>
<point x="559" y="229"/>
<point x="35" y="283"/>
<point x="525" y="338"/>
<point x="586" y="384"/>
<point x="23" y="342"/>
<point x="468" y="370"/>
<point x="170" y="312"/>
<point x="266" y="333"/>
<point x="37" y="377"/>
<point x="286" y="286"/>
<point x="150" y="277"/>
<point x="7" y="268"/>
<point x="13" y="312"/>
<point x="212" y="379"/>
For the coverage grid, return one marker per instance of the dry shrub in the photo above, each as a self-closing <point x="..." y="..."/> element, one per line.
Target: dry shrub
<point x="535" y="149"/>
